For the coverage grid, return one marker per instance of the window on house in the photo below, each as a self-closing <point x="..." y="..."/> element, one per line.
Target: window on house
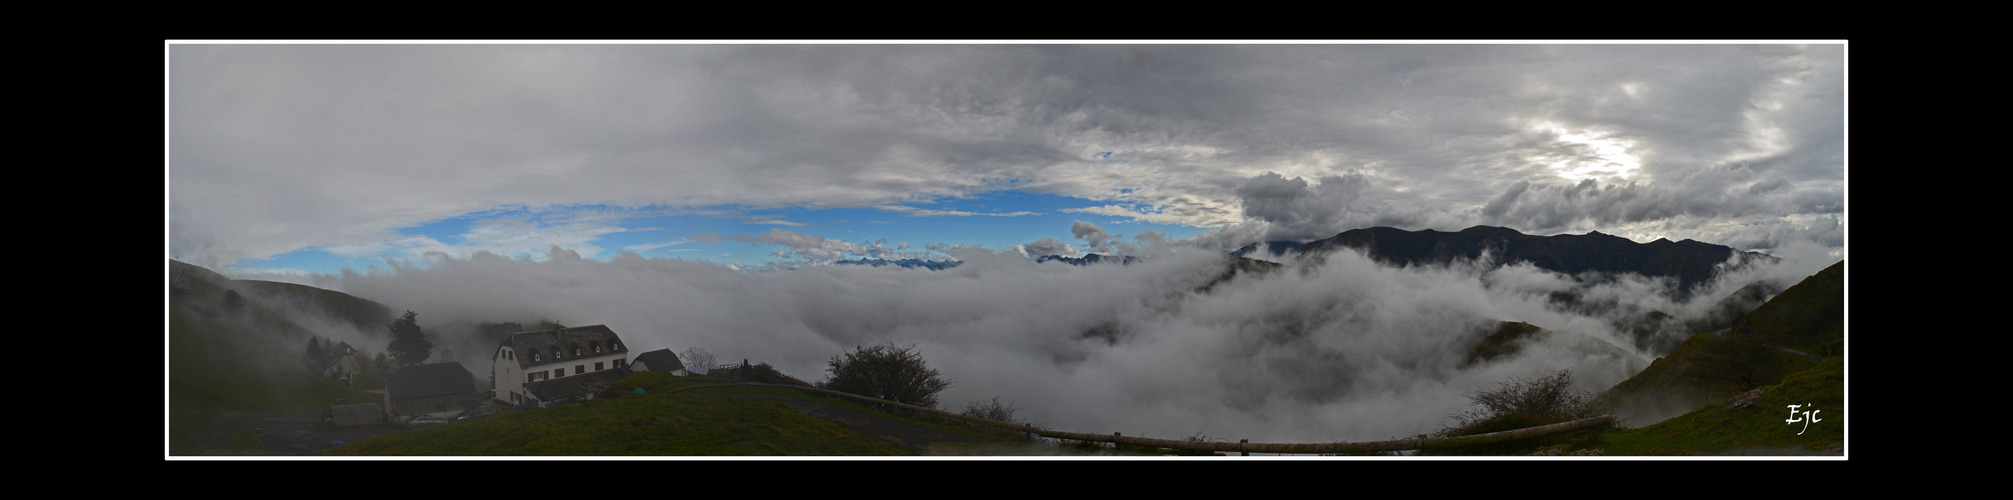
<point x="530" y="377"/>
<point x="618" y="363"/>
<point x="560" y="372"/>
<point x="597" y="367"/>
<point x="555" y="354"/>
<point x="596" y="346"/>
<point x="534" y="357"/>
<point x="579" y="368"/>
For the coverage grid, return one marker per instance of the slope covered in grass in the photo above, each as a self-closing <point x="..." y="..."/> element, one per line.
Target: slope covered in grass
<point x="1710" y="367"/>
<point x="703" y="422"/>
<point x="221" y="360"/>
<point x="1752" y="427"/>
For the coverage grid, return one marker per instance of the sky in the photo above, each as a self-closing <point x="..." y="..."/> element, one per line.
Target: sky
<point x="312" y="158"/>
<point x="692" y="195"/>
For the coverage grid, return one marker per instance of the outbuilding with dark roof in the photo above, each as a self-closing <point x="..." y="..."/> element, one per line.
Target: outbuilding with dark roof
<point x="661" y="360"/>
<point x="430" y="388"/>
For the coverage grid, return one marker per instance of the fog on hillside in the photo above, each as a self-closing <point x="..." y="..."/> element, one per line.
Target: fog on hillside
<point x="1343" y="350"/>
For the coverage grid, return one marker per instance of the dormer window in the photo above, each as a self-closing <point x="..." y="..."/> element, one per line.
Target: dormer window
<point x="617" y="346"/>
<point x="534" y="357"/>
<point x="556" y="354"/>
<point x="576" y="350"/>
<point x="596" y="346"/>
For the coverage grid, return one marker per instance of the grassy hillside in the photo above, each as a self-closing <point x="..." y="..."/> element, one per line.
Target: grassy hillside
<point x="221" y="361"/>
<point x="1752" y="427"/>
<point x="1709" y="368"/>
<point x="229" y="354"/>
<point x="702" y="422"/>
<point x="364" y="314"/>
<point x="1808" y="317"/>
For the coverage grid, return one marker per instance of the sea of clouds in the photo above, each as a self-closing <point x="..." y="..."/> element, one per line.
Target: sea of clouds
<point x="1342" y="349"/>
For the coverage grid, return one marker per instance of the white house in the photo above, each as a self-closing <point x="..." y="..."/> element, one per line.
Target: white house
<point x="545" y="366"/>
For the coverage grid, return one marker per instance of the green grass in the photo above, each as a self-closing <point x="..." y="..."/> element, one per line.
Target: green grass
<point x="219" y="362"/>
<point x="695" y="422"/>
<point x="1759" y="428"/>
<point x="702" y="422"/>
<point x="1692" y="384"/>
<point x="1705" y="369"/>
<point x="657" y="382"/>
<point x="1808" y="317"/>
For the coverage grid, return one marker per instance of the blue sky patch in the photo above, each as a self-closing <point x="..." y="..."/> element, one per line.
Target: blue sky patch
<point x="743" y="236"/>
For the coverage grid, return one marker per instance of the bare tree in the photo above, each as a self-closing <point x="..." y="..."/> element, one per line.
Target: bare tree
<point x="697" y="360"/>
<point x="1521" y="403"/>
<point x="992" y="409"/>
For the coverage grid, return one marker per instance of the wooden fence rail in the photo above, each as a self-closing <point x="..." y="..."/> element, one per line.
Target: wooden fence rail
<point x="1223" y="446"/>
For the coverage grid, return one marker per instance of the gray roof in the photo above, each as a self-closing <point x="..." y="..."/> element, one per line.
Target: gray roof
<point x="425" y="381"/>
<point x="574" y="386"/>
<point x="661" y="360"/>
<point x="544" y="341"/>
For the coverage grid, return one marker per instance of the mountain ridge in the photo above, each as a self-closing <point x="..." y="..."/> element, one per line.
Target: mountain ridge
<point x="1691" y="263"/>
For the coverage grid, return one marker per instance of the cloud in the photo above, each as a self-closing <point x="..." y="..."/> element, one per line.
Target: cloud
<point x="276" y="148"/>
<point x="778" y="222"/>
<point x="1346" y="350"/>
<point x="1297" y="211"/>
<point x="810" y="246"/>
<point x="1715" y="193"/>
<point x="814" y="249"/>
<point x="1045" y="247"/>
<point x="919" y="212"/>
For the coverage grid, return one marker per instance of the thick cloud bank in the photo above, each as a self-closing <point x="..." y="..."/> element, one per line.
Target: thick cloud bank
<point x="1341" y="350"/>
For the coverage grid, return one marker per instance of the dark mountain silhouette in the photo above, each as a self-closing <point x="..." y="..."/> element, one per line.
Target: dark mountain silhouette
<point x="933" y="265"/>
<point x="1088" y="259"/>
<point x="1272" y="249"/>
<point x="1689" y="262"/>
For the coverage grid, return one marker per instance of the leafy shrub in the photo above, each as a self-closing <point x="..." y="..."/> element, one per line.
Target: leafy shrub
<point x="888" y="372"/>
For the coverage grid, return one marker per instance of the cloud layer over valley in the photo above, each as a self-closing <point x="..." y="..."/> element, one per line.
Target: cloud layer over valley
<point x="1346" y="350"/>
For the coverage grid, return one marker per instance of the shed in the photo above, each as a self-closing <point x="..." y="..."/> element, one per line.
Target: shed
<point x="661" y="360"/>
<point x="430" y="388"/>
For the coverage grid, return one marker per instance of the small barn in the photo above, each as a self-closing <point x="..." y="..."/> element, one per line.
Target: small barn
<point x="661" y="360"/>
<point x="439" y="388"/>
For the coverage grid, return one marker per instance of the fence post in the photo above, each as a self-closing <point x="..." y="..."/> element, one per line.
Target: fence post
<point x="1114" y="442"/>
<point x="1240" y="447"/>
